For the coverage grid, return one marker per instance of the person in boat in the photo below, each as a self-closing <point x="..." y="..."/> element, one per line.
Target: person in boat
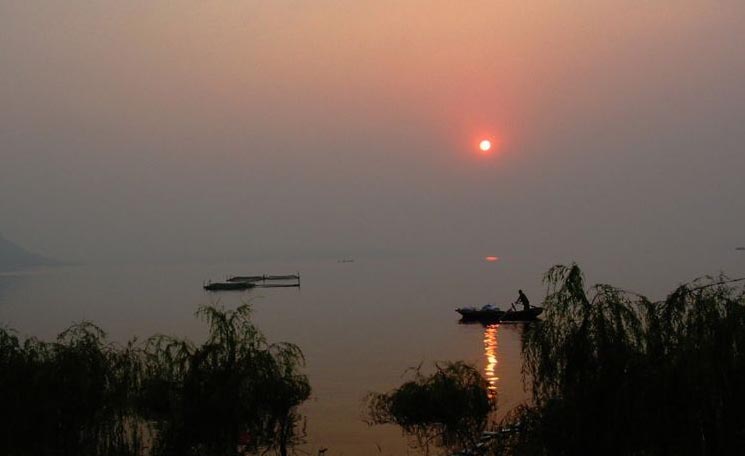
<point x="522" y="299"/>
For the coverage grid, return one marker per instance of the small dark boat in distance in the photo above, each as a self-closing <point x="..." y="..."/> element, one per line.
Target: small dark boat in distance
<point x="222" y="286"/>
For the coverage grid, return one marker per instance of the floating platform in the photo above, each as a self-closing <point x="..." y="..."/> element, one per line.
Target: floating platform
<point x="283" y="277"/>
<point x="246" y="279"/>
<point x="264" y="278"/>
<point x="256" y="281"/>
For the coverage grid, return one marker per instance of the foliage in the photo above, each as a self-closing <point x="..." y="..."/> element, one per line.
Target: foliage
<point x="614" y="373"/>
<point x="69" y="397"/>
<point x="84" y="396"/>
<point x="449" y="407"/>
<point x="235" y="388"/>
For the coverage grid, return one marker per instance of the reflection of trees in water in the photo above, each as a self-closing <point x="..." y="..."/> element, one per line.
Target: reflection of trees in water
<point x="81" y="395"/>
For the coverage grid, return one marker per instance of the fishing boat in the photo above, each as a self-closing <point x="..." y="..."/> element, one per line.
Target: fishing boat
<point x="521" y="315"/>
<point x="222" y="286"/>
<point x="493" y="314"/>
<point x="488" y="313"/>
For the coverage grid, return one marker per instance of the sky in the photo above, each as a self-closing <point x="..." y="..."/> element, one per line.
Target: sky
<point x="153" y="130"/>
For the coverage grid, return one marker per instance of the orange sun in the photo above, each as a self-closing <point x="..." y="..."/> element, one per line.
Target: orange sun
<point x="485" y="145"/>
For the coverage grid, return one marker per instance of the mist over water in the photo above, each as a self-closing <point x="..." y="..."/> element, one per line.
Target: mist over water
<point x="361" y="325"/>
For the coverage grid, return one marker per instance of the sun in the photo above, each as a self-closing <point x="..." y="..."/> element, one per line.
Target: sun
<point x="485" y="145"/>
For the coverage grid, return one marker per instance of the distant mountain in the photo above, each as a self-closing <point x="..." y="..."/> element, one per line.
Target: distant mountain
<point x="13" y="256"/>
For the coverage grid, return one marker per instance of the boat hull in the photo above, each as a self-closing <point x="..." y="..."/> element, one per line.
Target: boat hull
<point x="227" y="286"/>
<point x="480" y="315"/>
<point x="521" y="315"/>
<point x="499" y="316"/>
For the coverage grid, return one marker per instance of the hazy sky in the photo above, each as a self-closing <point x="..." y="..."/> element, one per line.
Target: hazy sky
<point x="170" y="130"/>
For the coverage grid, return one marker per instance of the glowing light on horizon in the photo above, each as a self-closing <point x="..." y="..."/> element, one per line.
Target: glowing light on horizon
<point x="492" y="258"/>
<point x="485" y="145"/>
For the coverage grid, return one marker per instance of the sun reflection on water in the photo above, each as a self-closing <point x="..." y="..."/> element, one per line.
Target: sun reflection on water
<point x="491" y="349"/>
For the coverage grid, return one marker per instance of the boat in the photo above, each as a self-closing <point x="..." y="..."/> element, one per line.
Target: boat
<point x="488" y="313"/>
<point x="493" y="314"/>
<point x="521" y="315"/>
<point x="222" y="286"/>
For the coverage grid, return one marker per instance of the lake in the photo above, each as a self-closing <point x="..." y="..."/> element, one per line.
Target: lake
<point x="362" y="325"/>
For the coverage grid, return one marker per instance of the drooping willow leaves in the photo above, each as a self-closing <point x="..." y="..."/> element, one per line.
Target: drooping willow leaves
<point x="613" y="373"/>
<point x="236" y="393"/>
<point x="448" y="408"/>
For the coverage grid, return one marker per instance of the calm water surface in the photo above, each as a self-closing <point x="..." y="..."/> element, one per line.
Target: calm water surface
<point x="361" y="325"/>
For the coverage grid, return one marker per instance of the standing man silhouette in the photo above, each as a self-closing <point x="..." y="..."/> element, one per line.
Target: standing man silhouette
<point x="523" y="300"/>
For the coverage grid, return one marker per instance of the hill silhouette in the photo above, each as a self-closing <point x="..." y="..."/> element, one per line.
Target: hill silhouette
<point x="13" y="256"/>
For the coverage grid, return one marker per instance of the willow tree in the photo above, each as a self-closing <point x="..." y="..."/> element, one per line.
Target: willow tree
<point x="448" y="408"/>
<point x="235" y="393"/>
<point x="613" y="373"/>
<point x="73" y="396"/>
